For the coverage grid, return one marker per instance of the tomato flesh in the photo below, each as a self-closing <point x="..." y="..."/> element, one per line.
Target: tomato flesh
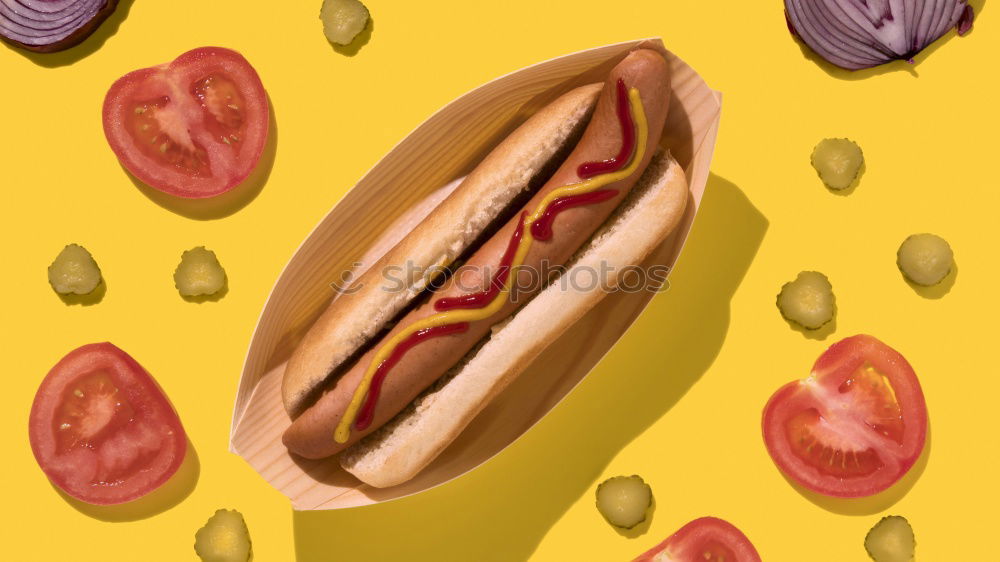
<point x="160" y="133"/>
<point x="195" y="127"/>
<point x="707" y="539"/>
<point x="817" y="445"/>
<point x="874" y="398"/>
<point x="854" y="427"/>
<point x="102" y="430"/>
<point x="91" y="407"/>
<point x="709" y="551"/>
<point x="222" y="100"/>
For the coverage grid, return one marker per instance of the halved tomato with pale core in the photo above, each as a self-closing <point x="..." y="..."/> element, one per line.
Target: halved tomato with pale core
<point x="102" y="430"/>
<point x="195" y="127"/>
<point x="855" y="426"/>
<point x="708" y="539"/>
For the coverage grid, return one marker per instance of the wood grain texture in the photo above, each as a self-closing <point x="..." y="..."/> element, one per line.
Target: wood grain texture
<point x="387" y="199"/>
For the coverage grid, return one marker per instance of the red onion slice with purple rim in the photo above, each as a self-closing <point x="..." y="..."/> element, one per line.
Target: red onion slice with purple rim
<point x="856" y="34"/>
<point x="949" y="19"/>
<point x="47" y="6"/>
<point x="51" y="25"/>
<point x="813" y="33"/>
<point x="39" y="32"/>
<point x="18" y="10"/>
<point x="935" y="23"/>
<point x="846" y="29"/>
<point x="867" y="35"/>
<point x="15" y="20"/>
<point x="871" y="40"/>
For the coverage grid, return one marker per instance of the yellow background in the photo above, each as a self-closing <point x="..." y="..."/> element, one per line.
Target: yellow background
<point x="678" y="401"/>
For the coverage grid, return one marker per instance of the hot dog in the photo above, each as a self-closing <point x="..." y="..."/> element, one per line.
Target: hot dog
<point x="340" y="389"/>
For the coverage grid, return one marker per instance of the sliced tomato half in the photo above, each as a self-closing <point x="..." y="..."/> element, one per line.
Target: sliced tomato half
<point x="195" y="127"/>
<point x="855" y="426"/>
<point x="708" y="539"/>
<point x="102" y="430"/>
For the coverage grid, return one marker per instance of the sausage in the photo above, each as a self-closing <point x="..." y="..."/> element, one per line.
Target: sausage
<point x="311" y="435"/>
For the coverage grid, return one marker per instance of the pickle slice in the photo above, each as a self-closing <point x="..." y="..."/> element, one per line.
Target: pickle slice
<point x="343" y="20"/>
<point x="837" y="161"/>
<point x="224" y="538"/>
<point x="624" y="500"/>
<point x="808" y="300"/>
<point x="925" y="259"/>
<point x="74" y="271"/>
<point x="199" y="273"/>
<point x="891" y="540"/>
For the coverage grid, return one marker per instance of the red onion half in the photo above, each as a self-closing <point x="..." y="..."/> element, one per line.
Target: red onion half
<point x="51" y="25"/>
<point x="856" y="34"/>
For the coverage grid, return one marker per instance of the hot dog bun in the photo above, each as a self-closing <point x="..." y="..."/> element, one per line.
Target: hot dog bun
<point x="421" y="340"/>
<point x="628" y="119"/>
<point x="508" y="171"/>
<point x="406" y="445"/>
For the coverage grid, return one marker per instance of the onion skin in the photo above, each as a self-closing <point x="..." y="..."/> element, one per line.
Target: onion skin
<point x="965" y="22"/>
<point x="858" y="34"/>
<point x="74" y="38"/>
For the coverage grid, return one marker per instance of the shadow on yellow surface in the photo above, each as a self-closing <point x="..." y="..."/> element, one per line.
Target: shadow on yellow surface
<point x="228" y="203"/>
<point x="96" y="40"/>
<point x="894" y="66"/>
<point x="819" y="334"/>
<point x="171" y="493"/>
<point x="872" y="504"/>
<point x="672" y="345"/>
<point x="90" y="299"/>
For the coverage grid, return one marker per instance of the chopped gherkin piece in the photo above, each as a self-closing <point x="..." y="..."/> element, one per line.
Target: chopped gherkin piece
<point x="199" y="273"/>
<point x="837" y="161"/>
<point x="343" y="20"/>
<point x="808" y="300"/>
<point x="925" y="259"/>
<point x="224" y="538"/>
<point x="624" y="500"/>
<point x="74" y="271"/>
<point x="891" y="540"/>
